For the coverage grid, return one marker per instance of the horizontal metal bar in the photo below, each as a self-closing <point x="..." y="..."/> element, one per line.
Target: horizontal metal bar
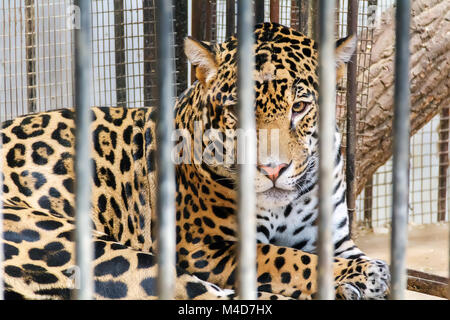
<point x="83" y="170"/>
<point x="428" y="284"/>
<point x="327" y="125"/>
<point x="246" y="193"/>
<point x="166" y="171"/>
<point x="401" y="142"/>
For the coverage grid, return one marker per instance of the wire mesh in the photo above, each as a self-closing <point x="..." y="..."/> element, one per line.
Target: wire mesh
<point x="288" y="10"/>
<point x="36" y="57"/>
<point x="285" y="12"/>
<point x="124" y="53"/>
<point x="221" y="20"/>
<point x="365" y="40"/>
<point x="427" y="181"/>
<point x="429" y="174"/>
<point x="36" y="54"/>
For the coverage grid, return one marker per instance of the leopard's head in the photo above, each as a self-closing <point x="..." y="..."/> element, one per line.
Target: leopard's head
<point x="286" y="105"/>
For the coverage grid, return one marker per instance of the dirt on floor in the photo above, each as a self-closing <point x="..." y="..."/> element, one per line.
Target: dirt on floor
<point x="427" y="251"/>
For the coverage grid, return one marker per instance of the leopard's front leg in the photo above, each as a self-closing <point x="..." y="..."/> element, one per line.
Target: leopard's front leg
<point x="281" y="270"/>
<point x="362" y="279"/>
<point x="376" y="271"/>
<point x="354" y="278"/>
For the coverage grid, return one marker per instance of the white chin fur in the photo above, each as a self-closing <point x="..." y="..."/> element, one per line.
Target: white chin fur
<point x="274" y="198"/>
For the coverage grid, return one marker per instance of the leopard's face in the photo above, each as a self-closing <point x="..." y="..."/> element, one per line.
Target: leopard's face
<point x="286" y="110"/>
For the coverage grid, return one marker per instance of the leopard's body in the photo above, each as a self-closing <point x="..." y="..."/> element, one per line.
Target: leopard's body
<point x="38" y="195"/>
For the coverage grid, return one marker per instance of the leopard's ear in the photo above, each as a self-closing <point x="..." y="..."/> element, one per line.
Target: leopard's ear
<point x="203" y="58"/>
<point x="345" y="48"/>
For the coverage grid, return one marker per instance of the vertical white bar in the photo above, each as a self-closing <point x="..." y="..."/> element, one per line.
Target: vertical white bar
<point x="166" y="170"/>
<point x="400" y="171"/>
<point x="246" y="193"/>
<point x="327" y="125"/>
<point x="2" y="118"/>
<point x="83" y="170"/>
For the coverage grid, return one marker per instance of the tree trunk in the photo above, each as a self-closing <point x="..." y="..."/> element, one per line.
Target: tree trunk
<point x="430" y="69"/>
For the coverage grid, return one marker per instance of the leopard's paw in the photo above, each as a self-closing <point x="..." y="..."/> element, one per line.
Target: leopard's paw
<point x="369" y="280"/>
<point x="378" y="280"/>
<point x="348" y="291"/>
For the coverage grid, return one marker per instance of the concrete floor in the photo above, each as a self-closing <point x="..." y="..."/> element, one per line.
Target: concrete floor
<point x="428" y="250"/>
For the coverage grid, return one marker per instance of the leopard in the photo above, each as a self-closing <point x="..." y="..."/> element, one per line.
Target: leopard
<point x="39" y="184"/>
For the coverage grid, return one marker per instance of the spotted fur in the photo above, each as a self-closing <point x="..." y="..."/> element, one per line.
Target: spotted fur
<point x="38" y="195"/>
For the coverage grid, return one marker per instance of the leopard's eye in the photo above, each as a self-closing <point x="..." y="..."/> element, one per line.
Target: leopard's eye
<point x="300" y="106"/>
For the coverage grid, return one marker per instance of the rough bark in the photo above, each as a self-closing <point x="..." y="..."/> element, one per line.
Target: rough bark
<point x="430" y="69"/>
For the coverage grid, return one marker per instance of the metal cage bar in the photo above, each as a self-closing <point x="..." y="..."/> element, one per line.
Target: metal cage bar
<point x="166" y="170"/>
<point x="259" y="11"/>
<point x="299" y="15"/>
<point x="83" y="171"/>
<point x="208" y="21"/>
<point x="30" y="36"/>
<point x="2" y="118"/>
<point x="444" y="128"/>
<point x="275" y="11"/>
<point x="327" y="125"/>
<point x="312" y="24"/>
<point x="231" y="18"/>
<point x="246" y="193"/>
<point x="148" y="12"/>
<point x="368" y="203"/>
<point x="181" y="30"/>
<point x="352" y="89"/>
<point x="190" y="72"/>
<point x="401" y="142"/>
<point x="120" y="53"/>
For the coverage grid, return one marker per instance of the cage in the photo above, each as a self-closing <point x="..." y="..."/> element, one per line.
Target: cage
<point x="37" y="47"/>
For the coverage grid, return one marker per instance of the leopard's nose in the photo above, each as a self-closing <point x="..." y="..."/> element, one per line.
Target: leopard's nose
<point x="272" y="170"/>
